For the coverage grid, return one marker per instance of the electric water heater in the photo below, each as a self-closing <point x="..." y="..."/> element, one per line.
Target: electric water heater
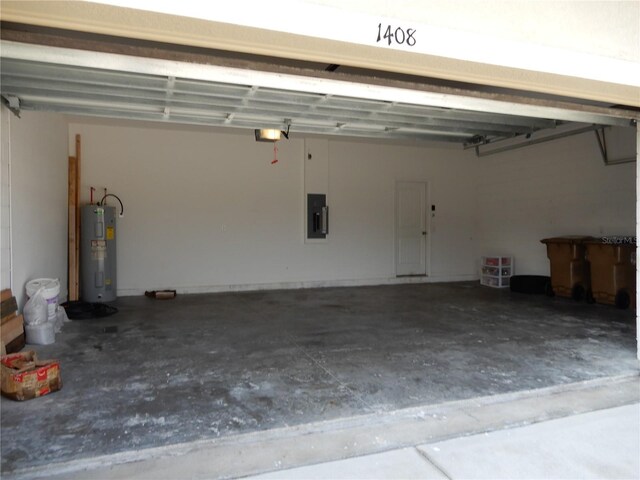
<point x="98" y="254"/>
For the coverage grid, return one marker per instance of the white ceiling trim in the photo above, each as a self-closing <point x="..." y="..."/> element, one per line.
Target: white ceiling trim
<point x="312" y="20"/>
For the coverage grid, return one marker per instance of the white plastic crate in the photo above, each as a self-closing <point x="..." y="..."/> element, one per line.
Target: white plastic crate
<point x="496" y="271"/>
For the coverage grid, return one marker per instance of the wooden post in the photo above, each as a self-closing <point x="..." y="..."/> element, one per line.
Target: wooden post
<point x="74" y="224"/>
<point x="78" y="187"/>
<point x="73" y="238"/>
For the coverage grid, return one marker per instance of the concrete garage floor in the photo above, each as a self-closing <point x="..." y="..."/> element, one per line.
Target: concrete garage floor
<point x="208" y="366"/>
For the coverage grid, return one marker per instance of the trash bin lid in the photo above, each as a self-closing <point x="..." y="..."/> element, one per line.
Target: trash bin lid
<point x="568" y="239"/>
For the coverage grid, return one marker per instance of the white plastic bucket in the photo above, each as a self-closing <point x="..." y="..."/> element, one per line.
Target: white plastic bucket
<point x="51" y="292"/>
<point x="43" y="334"/>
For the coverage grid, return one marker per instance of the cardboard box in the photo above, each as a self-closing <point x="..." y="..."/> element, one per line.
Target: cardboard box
<point x="25" y="377"/>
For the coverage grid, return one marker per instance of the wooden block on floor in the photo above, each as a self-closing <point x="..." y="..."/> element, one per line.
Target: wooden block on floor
<point x="7" y="307"/>
<point x="5" y="294"/>
<point x="12" y="329"/>
<point x="8" y="318"/>
<point x="16" y="344"/>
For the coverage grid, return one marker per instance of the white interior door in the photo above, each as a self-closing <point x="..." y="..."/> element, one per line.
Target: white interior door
<point x="411" y="228"/>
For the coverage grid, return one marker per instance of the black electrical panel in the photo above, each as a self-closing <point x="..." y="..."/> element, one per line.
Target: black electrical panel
<point x="317" y="215"/>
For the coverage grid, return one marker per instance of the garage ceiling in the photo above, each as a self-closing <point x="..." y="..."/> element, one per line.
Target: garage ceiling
<point x="43" y="78"/>
<point x="90" y="91"/>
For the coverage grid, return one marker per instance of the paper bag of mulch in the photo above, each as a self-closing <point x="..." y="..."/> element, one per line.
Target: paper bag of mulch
<point x="25" y="377"/>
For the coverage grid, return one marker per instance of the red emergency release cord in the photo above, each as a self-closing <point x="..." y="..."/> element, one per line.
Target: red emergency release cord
<point x="275" y="154"/>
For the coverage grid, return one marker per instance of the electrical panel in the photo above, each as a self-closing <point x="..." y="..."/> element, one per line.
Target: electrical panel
<point x="317" y="216"/>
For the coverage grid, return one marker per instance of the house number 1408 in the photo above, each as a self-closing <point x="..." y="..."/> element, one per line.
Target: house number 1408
<point x="398" y="36"/>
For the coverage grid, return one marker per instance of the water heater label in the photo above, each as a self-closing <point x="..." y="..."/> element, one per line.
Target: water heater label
<point x="111" y="233"/>
<point x="98" y="249"/>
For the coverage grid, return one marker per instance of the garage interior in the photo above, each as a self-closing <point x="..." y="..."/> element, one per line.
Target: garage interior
<point x="240" y="363"/>
<point x="272" y="330"/>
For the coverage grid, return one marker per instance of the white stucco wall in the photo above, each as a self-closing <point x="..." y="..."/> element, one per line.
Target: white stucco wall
<point x="206" y="210"/>
<point x="39" y="170"/>
<point x="552" y="189"/>
<point x="594" y="40"/>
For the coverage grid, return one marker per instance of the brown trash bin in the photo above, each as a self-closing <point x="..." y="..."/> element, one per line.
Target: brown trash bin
<point x="613" y="271"/>
<point x="569" y="267"/>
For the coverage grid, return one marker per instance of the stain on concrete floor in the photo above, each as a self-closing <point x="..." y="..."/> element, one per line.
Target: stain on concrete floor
<point x="205" y="366"/>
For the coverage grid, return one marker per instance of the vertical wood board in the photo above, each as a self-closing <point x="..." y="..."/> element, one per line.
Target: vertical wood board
<point x="73" y="239"/>
<point x="78" y="187"/>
